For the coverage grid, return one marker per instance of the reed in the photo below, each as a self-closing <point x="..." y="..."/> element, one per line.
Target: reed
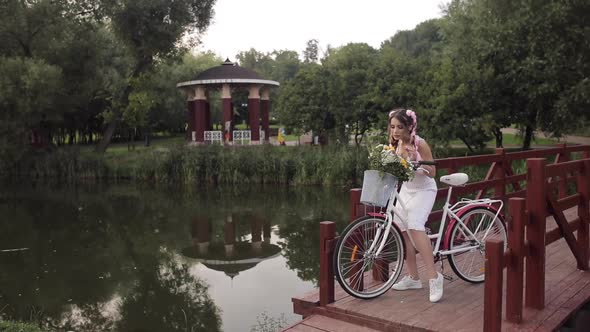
<point x="243" y="165"/>
<point x="302" y="165"/>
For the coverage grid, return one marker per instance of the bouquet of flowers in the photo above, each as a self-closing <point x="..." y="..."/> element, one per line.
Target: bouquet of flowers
<point x="384" y="159"/>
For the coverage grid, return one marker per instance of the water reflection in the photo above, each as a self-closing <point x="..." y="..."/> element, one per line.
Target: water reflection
<point x="126" y="258"/>
<point x="231" y="255"/>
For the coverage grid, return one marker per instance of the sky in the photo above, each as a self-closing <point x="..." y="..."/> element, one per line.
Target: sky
<point x="268" y="25"/>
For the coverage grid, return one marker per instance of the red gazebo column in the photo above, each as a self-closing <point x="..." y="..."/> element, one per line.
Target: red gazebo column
<point x="254" y="114"/>
<point x="256" y="229"/>
<point x="227" y="113"/>
<point x="190" y="119"/>
<point x="200" y="116"/>
<point x="229" y="234"/>
<point x="207" y="112"/>
<point x="201" y="233"/>
<point x="264" y="113"/>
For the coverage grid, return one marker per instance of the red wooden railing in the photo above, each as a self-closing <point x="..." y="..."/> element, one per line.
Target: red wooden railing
<point x="529" y="217"/>
<point x="499" y="175"/>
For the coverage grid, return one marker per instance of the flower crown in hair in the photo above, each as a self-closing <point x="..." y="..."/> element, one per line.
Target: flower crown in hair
<point x="412" y="115"/>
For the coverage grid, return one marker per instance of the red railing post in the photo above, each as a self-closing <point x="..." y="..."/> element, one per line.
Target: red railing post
<point x="327" y="232"/>
<point x="583" y="234"/>
<point x="500" y="189"/>
<point x="492" y="307"/>
<point x="355" y="200"/>
<point x="562" y="182"/>
<point x="535" y="233"/>
<point x="515" y="266"/>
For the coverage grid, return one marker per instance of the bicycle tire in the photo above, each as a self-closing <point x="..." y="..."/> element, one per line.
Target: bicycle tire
<point x="474" y="218"/>
<point x="359" y="273"/>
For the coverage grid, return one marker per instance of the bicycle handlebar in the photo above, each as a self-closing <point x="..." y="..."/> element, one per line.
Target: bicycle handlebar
<point x="425" y="162"/>
<point x="416" y="164"/>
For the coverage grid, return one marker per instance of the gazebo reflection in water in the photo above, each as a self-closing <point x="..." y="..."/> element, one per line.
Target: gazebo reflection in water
<point x="234" y="252"/>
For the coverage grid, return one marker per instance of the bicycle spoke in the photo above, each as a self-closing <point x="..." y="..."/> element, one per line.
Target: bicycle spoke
<point x="468" y="238"/>
<point x="360" y="272"/>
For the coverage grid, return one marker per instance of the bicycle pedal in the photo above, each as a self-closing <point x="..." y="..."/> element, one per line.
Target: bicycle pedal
<point x="447" y="277"/>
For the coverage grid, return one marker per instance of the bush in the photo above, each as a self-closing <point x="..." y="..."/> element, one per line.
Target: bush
<point x="7" y="326"/>
<point x="309" y="165"/>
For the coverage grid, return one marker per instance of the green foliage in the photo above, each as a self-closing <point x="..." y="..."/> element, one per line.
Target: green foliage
<point x="29" y="90"/>
<point x="164" y="106"/>
<point x="303" y="102"/>
<point x="527" y="61"/>
<point x="212" y="164"/>
<point x="6" y="326"/>
<point x="152" y="28"/>
<point x="383" y="158"/>
<point x="266" y="323"/>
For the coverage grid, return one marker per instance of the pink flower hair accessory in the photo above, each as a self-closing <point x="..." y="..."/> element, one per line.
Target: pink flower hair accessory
<point x="412" y="115"/>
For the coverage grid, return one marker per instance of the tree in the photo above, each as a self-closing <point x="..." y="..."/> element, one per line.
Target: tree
<point x="164" y="105"/>
<point x="151" y="30"/>
<point x="260" y="62"/>
<point x="311" y="52"/>
<point x="285" y="66"/>
<point x="29" y="91"/>
<point x="303" y="102"/>
<point x="535" y="57"/>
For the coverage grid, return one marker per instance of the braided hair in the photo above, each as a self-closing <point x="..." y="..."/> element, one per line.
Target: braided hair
<point x="406" y="118"/>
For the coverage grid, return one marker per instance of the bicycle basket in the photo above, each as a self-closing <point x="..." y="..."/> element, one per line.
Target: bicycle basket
<point x="377" y="188"/>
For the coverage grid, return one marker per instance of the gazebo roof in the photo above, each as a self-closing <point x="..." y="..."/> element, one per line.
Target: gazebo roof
<point x="227" y="72"/>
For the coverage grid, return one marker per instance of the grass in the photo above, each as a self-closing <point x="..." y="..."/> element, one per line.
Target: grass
<point x="169" y="159"/>
<point x="8" y="326"/>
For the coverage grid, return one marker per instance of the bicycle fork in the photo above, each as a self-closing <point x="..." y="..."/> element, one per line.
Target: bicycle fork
<point x="385" y="229"/>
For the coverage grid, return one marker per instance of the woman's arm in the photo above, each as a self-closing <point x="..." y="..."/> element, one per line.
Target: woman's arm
<point x="426" y="153"/>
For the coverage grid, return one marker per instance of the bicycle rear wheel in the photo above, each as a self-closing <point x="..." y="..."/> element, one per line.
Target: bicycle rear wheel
<point x="361" y="273"/>
<point x="469" y="265"/>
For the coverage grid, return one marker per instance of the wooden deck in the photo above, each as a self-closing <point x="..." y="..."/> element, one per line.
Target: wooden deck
<point x="461" y="308"/>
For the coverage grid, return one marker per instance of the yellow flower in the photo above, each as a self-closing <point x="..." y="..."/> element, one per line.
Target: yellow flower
<point x="405" y="163"/>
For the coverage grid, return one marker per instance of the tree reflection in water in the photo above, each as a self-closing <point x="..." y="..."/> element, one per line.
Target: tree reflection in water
<point x="109" y="258"/>
<point x="95" y="264"/>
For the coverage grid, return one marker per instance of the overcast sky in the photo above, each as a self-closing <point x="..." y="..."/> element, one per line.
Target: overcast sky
<point x="268" y="25"/>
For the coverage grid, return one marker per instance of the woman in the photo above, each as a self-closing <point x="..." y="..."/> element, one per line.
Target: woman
<point x="418" y="196"/>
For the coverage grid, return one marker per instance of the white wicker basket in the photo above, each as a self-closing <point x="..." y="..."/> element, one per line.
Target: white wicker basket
<point x="377" y="188"/>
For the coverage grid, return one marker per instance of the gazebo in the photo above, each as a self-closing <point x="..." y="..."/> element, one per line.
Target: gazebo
<point x="228" y="77"/>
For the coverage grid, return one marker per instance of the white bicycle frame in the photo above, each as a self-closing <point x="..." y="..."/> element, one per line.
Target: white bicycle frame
<point x="447" y="210"/>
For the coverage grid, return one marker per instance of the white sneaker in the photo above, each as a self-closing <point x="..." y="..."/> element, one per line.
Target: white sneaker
<point x="407" y="283"/>
<point x="436" y="288"/>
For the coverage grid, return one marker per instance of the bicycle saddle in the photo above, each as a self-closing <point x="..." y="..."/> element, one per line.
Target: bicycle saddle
<point x="455" y="179"/>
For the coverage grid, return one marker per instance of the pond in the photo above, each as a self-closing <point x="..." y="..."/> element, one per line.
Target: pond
<point x="136" y="258"/>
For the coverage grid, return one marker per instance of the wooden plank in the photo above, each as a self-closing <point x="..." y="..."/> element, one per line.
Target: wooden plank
<point x="515" y="272"/>
<point x="303" y="328"/>
<point x="355" y="199"/>
<point x="444" y="313"/>
<point x="569" y="201"/>
<point x="327" y="232"/>
<point x="325" y="323"/>
<point x="493" y="286"/>
<point x="538" y="153"/>
<point x="520" y="193"/>
<point x="456" y="162"/>
<point x="565" y="229"/>
<point x="555" y="234"/>
<point x="357" y="320"/>
<point x="561" y="169"/>
<point x="535" y="234"/>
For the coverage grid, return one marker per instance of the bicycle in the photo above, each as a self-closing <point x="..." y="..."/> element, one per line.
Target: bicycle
<point x="369" y="255"/>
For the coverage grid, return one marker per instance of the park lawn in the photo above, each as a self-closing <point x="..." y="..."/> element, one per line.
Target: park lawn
<point x="162" y="142"/>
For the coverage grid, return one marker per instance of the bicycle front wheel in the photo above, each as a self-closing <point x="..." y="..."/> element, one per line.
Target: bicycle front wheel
<point x="469" y="265"/>
<point x="359" y="270"/>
